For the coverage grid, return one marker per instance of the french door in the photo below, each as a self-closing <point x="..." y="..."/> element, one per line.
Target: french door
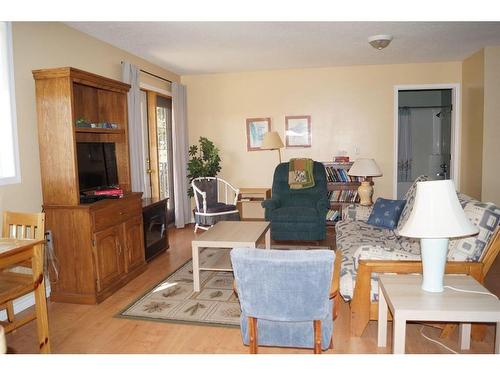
<point x="159" y="148"/>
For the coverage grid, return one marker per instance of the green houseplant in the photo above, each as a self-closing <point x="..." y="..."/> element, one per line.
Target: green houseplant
<point x="204" y="161"/>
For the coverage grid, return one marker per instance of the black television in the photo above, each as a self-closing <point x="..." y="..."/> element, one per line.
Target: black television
<point x="96" y="165"/>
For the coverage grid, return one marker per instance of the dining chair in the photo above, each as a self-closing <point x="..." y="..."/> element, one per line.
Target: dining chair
<point x="16" y="282"/>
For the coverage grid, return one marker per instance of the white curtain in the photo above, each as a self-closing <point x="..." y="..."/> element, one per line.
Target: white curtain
<point x="180" y="155"/>
<point x="130" y="75"/>
<point x="404" y="146"/>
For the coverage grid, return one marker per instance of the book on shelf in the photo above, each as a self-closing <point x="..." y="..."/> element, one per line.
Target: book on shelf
<point x="332" y="215"/>
<point x="335" y="174"/>
<point x="348" y="196"/>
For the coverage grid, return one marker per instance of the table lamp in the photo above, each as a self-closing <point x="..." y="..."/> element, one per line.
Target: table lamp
<point x="436" y="216"/>
<point x="365" y="168"/>
<point x="272" y="141"/>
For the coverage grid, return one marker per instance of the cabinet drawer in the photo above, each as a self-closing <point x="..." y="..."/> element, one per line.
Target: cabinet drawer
<point x="116" y="213"/>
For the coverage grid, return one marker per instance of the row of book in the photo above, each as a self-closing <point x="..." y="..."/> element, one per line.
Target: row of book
<point x="339" y="175"/>
<point x="332" y="215"/>
<point x="343" y="196"/>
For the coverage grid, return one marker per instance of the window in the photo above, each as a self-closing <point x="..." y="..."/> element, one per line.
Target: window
<point x="9" y="156"/>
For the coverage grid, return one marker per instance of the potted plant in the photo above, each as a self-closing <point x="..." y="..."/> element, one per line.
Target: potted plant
<point x="204" y="161"/>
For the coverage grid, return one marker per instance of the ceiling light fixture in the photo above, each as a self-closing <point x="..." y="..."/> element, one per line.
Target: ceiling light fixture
<point x="380" y="41"/>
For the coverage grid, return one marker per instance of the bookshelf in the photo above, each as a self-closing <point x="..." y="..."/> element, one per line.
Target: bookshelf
<point x="342" y="189"/>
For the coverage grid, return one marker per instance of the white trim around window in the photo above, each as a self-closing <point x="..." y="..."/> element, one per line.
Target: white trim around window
<point x="9" y="149"/>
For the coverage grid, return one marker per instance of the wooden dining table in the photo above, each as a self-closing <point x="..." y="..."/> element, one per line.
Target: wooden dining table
<point x="14" y="251"/>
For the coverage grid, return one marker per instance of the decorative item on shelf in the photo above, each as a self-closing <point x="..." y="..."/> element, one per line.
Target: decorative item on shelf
<point x="204" y="161"/>
<point x="341" y="159"/>
<point x="365" y="168"/>
<point x="298" y="131"/>
<point x="256" y="129"/>
<point x="272" y="141"/>
<point x="82" y="123"/>
<point x="436" y="216"/>
<point x="100" y="125"/>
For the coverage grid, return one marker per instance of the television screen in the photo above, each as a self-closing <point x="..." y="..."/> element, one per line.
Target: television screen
<point x="96" y="165"/>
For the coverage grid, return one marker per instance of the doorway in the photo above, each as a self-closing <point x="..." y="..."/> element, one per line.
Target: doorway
<point x="426" y="131"/>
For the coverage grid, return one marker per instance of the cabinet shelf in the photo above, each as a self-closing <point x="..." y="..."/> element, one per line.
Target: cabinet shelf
<point x="99" y="130"/>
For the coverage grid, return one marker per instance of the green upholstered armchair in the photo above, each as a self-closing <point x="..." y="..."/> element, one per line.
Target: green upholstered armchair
<point x="297" y="214"/>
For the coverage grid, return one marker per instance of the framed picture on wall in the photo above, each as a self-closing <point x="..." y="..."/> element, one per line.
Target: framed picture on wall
<point x="298" y="131"/>
<point x="256" y="128"/>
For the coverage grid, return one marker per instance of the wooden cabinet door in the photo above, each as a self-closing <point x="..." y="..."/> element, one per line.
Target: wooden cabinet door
<point x="134" y="243"/>
<point x="109" y="254"/>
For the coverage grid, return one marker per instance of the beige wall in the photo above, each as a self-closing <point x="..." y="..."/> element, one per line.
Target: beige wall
<point x="472" y="124"/>
<point x="352" y="108"/>
<point x="491" y="132"/>
<point x="51" y="45"/>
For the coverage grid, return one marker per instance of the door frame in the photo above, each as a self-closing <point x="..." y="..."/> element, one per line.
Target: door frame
<point x="456" y="127"/>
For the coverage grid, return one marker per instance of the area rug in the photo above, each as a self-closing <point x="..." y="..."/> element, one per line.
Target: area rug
<point x="174" y="301"/>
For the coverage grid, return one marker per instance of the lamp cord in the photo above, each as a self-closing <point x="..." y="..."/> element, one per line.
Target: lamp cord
<point x="436" y="341"/>
<point x="457" y="290"/>
<point x="470" y="291"/>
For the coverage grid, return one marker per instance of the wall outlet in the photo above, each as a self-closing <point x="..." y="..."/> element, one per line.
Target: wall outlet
<point x="356" y="150"/>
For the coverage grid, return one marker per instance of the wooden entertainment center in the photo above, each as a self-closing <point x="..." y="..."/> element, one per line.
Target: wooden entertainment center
<point x="99" y="246"/>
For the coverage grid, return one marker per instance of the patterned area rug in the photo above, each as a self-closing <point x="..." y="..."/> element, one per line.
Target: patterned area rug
<point x="173" y="300"/>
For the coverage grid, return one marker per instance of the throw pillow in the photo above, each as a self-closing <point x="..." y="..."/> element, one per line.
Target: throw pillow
<point x="386" y="213"/>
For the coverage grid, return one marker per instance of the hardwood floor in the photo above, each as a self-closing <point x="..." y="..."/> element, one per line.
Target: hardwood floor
<point x="94" y="329"/>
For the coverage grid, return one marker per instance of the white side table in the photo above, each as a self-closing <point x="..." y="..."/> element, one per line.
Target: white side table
<point x="408" y="302"/>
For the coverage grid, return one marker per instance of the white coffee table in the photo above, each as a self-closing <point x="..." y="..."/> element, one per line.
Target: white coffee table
<point x="408" y="302"/>
<point x="228" y="234"/>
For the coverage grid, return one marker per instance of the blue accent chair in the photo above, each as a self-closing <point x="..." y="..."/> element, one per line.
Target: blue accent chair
<point x="298" y="215"/>
<point x="285" y="297"/>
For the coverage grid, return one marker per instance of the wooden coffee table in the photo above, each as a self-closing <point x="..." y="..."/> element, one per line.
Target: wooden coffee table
<point x="228" y="234"/>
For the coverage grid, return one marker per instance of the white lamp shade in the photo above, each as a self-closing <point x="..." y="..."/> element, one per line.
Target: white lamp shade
<point x="271" y="141"/>
<point x="365" y="168"/>
<point x="437" y="213"/>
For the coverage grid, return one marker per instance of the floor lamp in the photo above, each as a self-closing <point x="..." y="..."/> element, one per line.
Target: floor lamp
<point x="272" y="141"/>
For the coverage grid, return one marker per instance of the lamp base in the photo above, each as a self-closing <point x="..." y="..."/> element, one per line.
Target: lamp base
<point x="365" y="191"/>
<point x="433" y="252"/>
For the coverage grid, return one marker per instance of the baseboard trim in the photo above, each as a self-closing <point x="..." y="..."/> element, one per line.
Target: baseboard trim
<point x="24" y="302"/>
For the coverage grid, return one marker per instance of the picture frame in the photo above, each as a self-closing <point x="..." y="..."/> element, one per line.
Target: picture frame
<point x="256" y="128"/>
<point x="298" y="131"/>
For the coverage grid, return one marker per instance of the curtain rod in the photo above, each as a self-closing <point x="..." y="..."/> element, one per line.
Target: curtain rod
<point x="426" y="106"/>
<point x="156" y="76"/>
<point x="152" y="74"/>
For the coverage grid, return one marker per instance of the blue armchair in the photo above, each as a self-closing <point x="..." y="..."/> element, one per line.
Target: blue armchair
<point x="285" y="297"/>
<point x="298" y="214"/>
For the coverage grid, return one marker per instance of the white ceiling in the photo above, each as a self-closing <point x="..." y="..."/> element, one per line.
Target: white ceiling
<point x="217" y="47"/>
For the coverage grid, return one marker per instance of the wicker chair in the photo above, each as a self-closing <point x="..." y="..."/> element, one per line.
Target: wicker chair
<point x="215" y="201"/>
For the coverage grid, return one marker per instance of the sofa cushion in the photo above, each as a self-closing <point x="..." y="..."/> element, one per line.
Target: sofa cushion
<point x="386" y="212"/>
<point x="351" y="235"/>
<point x="380" y="253"/>
<point x="294" y="215"/>
<point x="356" y="211"/>
<point x="486" y="216"/>
<point x="220" y="207"/>
<point x="410" y="199"/>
